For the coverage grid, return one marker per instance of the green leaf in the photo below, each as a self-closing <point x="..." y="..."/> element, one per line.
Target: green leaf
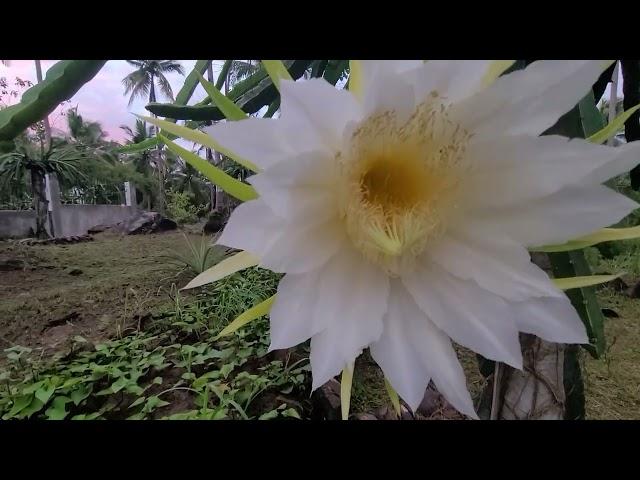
<point x="119" y="384"/>
<point x="569" y="283"/>
<point x="251" y="94"/>
<point x="249" y="315"/>
<point x="345" y="390"/>
<point x="233" y="187"/>
<point x="269" y="415"/>
<point x="58" y="409"/>
<point x="198" y="137"/>
<point x="612" y="128"/>
<point x="226" y="267"/>
<point x="230" y="110"/>
<point x="277" y="71"/>
<point x="226" y="369"/>
<point x="602" y="235"/>
<point x="191" y="82"/>
<point x="139" y="147"/>
<point x="19" y="404"/>
<point x="35" y="406"/>
<point x="292" y="413"/>
<point x="44" y="393"/>
<point x="62" y="81"/>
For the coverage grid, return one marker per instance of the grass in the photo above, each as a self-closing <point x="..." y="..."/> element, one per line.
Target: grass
<point x="612" y="384"/>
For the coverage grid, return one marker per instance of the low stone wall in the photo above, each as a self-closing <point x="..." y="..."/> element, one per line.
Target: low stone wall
<point x="17" y="223"/>
<point x="72" y="220"/>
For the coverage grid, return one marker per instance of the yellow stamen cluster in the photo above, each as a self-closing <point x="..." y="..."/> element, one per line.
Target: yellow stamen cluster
<point x="401" y="181"/>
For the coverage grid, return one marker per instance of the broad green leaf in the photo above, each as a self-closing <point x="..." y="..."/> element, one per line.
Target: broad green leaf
<point x="496" y="68"/>
<point x="277" y="71"/>
<point x="602" y="235"/>
<point x="581" y="282"/>
<point x="58" y="409"/>
<point x="226" y="267"/>
<point x="253" y="313"/>
<point x="79" y="394"/>
<point x="62" y="81"/>
<point x="139" y="401"/>
<point x="44" y="393"/>
<point x="345" y="390"/>
<point x="225" y="370"/>
<point x="19" y="404"/>
<point x="139" y="147"/>
<point x="269" y="415"/>
<point x="233" y="187"/>
<point x="226" y="106"/>
<point x="393" y="396"/>
<point x="198" y="137"/>
<point x="35" y="406"/>
<point x="355" y="78"/>
<point x="612" y="128"/>
<point x="292" y="413"/>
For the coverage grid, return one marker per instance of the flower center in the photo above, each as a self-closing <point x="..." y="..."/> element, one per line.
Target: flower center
<point x="401" y="183"/>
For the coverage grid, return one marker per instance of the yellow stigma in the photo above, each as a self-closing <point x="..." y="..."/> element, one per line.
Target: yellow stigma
<point x="401" y="183"/>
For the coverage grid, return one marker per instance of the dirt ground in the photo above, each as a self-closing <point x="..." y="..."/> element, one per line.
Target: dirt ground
<point x="102" y="288"/>
<point x="94" y="289"/>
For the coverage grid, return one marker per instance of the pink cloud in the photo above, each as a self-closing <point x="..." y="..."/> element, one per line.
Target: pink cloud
<point x="102" y="99"/>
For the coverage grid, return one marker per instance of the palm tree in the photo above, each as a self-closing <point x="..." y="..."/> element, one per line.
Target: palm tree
<point x="34" y="160"/>
<point x="142" y="81"/>
<point x="87" y="133"/>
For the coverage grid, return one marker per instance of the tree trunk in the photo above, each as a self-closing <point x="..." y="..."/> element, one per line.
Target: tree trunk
<point x="161" y="201"/>
<point x="40" y="204"/>
<point x="536" y="392"/>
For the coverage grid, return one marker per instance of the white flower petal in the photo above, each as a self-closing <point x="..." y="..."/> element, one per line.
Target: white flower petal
<point x="570" y="213"/>
<point x="453" y="80"/>
<point x="470" y="315"/>
<point x="263" y="141"/>
<point x="293" y="317"/>
<point x="252" y="227"/>
<point x="552" y="319"/>
<point x="300" y="189"/>
<point x="317" y="105"/>
<point x="621" y="160"/>
<point x="302" y="248"/>
<point x="412" y="349"/>
<point x="497" y="264"/>
<point x="398" y="352"/>
<point x="520" y="168"/>
<point x="353" y="297"/>
<point x="531" y="100"/>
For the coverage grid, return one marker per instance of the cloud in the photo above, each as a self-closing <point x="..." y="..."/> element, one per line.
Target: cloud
<point x="102" y="99"/>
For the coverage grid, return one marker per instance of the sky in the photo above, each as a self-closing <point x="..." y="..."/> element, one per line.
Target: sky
<point x="103" y="100"/>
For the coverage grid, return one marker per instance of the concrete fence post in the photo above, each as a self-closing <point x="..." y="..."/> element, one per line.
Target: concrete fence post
<point x="130" y="199"/>
<point x="52" y="191"/>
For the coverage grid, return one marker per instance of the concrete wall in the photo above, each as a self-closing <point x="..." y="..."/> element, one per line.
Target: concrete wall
<point x="77" y="219"/>
<point x="67" y="220"/>
<point x="17" y="223"/>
